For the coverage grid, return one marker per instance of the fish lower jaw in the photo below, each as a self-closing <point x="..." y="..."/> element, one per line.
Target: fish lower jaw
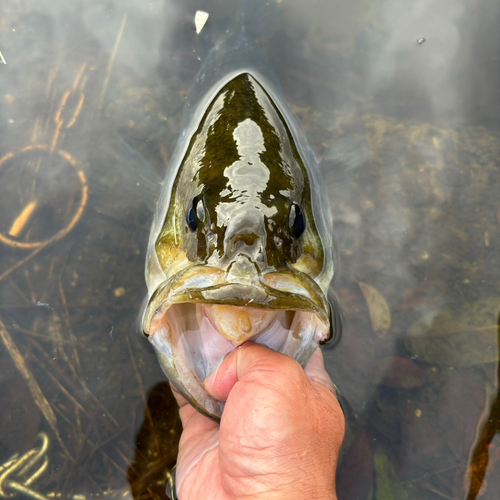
<point x="192" y="339"/>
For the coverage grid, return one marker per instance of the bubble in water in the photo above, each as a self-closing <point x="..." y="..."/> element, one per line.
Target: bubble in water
<point x="421" y="40"/>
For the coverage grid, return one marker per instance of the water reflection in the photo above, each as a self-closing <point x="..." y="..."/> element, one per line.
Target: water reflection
<point x="411" y="143"/>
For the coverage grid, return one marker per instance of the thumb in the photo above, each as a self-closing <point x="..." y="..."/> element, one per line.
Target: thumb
<point x="315" y="370"/>
<point x="249" y="361"/>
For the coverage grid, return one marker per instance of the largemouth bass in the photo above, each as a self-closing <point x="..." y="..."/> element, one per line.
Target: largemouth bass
<point x="241" y="244"/>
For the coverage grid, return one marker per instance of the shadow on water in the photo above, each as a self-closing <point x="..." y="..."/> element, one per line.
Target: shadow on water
<point x="156" y="445"/>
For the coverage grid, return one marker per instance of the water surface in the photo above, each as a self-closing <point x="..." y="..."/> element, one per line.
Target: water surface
<point x="400" y="102"/>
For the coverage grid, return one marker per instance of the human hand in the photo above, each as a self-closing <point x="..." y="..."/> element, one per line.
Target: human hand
<point x="279" y="436"/>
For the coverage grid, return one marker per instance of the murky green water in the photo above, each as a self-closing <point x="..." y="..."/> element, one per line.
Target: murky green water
<point x="401" y="102"/>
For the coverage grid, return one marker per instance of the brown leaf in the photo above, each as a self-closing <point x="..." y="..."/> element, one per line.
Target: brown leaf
<point x="355" y="475"/>
<point x="380" y="314"/>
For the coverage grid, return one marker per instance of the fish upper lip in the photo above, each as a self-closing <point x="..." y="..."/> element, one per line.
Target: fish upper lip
<point x="202" y="284"/>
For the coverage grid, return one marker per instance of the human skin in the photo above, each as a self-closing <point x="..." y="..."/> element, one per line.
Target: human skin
<point x="279" y="436"/>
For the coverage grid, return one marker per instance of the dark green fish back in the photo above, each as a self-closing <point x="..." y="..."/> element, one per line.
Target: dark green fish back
<point x="243" y="172"/>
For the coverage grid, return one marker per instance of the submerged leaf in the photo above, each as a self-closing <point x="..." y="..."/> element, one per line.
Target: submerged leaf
<point x="422" y="295"/>
<point x="434" y="324"/>
<point x="388" y="485"/>
<point x="400" y="373"/>
<point x="355" y="475"/>
<point x="380" y="314"/>
<point x="443" y="338"/>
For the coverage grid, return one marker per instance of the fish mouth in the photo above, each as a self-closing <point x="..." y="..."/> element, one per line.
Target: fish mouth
<point x="201" y="314"/>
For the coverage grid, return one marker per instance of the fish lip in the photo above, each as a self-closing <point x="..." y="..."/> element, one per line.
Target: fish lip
<point x="186" y="354"/>
<point x="307" y="296"/>
<point x="288" y="290"/>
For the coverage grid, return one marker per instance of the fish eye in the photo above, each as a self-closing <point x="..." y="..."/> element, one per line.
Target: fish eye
<point x="191" y="217"/>
<point x="195" y="213"/>
<point x="297" y="220"/>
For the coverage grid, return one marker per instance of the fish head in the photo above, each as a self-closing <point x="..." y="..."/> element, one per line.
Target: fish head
<point x="240" y="251"/>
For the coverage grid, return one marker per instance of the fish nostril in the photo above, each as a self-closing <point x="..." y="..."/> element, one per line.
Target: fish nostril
<point x="249" y="244"/>
<point x="248" y="239"/>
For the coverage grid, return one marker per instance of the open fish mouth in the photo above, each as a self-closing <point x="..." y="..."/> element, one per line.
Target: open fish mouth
<point x="196" y="318"/>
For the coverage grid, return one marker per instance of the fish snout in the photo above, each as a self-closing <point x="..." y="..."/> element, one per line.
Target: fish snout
<point x="250" y="245"/>
<point x="246" y="235"/>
